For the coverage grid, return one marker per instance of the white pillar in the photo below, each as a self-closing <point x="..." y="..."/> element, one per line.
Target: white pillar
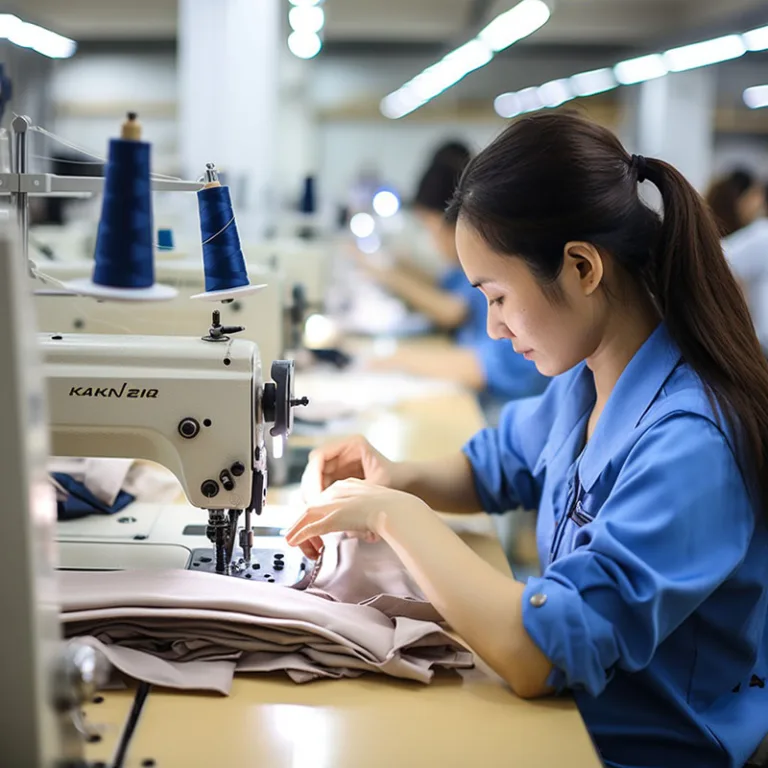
<point x="228" y="85"/>
<point x="675" y="122"/>
<point x="298" y="146"/>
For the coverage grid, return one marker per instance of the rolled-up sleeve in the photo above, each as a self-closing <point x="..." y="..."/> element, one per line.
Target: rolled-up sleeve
<point x="677" y="522"/>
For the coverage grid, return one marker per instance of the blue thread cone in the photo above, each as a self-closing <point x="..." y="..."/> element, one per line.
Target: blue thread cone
<point x="165" y="239"/>
<point x="223" y="259"/>
<point x="124" y="257"/>
<point x="308" y="204"/>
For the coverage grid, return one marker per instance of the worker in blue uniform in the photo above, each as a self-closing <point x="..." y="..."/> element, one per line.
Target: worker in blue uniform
<point x="488" y="366"/>
<point x="646" y="457"/>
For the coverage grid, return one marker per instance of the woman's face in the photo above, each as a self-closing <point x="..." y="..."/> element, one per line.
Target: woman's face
<point x="751" y="205"/>
<point x="442" y="233"/>
<point x="556" y="336"/>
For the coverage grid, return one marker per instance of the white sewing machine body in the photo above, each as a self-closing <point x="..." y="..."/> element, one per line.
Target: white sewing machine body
<point x="197" y="406"/>
<point x="261" y="314"/>
<point x="192" y="406"/>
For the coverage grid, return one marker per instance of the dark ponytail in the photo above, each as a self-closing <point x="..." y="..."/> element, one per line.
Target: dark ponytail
<point x="551" y="178"/>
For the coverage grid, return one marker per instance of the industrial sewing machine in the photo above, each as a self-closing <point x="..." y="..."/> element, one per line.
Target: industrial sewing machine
<point x="198" y="406"/>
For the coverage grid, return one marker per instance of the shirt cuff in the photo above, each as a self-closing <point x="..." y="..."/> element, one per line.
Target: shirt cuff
<point x="578" y="642"/>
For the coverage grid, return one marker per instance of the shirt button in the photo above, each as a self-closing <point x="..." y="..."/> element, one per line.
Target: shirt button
<point x="538" y="600"/>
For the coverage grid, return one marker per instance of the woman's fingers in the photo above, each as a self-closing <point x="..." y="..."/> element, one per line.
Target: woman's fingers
<point x="312" y="547"/>
<point x="314" y="522"/>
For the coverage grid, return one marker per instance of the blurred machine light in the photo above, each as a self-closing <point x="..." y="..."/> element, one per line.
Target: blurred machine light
<point x="370" y="244"/>
<point x="703" y="54"/>
<point x="305" y="3"/>
<point x="362" y="225"/>
<point x="596" y="81"/>
<point x="386" y="203"/>
<point x="37" y="38"/>
<point x="306" y="18"/>
<point x="304" y="45"/>
<point x="640" y="69"/>
<point x="507" y="28"/>
<point x="756" y="97"/>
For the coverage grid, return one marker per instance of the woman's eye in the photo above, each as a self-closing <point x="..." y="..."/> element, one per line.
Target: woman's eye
<point x="498" y="301"/>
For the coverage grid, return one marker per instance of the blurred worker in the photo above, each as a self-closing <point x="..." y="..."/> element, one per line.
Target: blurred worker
<point x="739" y="204"/>
<point x="647" y="456"/>
<point x="488" y="366"/>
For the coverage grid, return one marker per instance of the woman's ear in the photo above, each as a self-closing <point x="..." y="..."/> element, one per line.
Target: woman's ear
<point x="584" y="265"/>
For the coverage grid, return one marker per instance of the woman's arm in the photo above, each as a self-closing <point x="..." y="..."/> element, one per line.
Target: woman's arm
<point x="446" y="484"/>
<point x="483" y="605"/>
<point x="445" y="309"/>
<point x="459" y="365"/>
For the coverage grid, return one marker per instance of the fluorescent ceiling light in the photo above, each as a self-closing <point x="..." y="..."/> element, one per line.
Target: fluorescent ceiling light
<point x="507" y="105"/>
<point x="304" y="3"/>
<point x="554" y="93"/>
<point x="304" y="45"/>
<point x="756" y="39"/>
<point x="640" y="69"/>
<point x="515" y="24"/>
<point x="507" y="28"/>
<point x="756" y="97"/>
<point x="306" y="18"/>
<point x="703" y="54"/>
<point x="37" y="38"/>
<point x="590" y="83"/>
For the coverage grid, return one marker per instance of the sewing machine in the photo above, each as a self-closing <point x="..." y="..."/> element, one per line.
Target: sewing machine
<point x="198" y="406"/>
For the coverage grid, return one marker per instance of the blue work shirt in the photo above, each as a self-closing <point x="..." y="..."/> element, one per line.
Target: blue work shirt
<point x="507" y="374"/>
<point x="653" y="602"/>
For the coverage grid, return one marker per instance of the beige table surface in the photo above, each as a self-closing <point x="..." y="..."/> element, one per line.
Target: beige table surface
<point x="371" y="722"/>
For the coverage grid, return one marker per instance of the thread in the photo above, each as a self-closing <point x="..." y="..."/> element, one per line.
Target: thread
<point x="223" y="260"/>
<point x="124" y="243"/>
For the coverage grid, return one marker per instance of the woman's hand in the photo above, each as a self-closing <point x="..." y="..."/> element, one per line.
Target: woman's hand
<point x="351" y="506"/>
<point x="351" y="457"/>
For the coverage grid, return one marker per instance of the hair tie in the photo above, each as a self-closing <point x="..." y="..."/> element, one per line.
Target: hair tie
<point x="639" y="164"/>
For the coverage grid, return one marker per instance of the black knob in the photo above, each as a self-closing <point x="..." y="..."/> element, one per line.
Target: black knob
<point x="189" y="428"/>
<point x="226" y="480"/>
<point x="237" y="469"/>
<point x="209" y="489"/>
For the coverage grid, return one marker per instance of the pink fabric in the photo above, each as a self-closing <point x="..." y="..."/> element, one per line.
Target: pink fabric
<point x="193" y="630"/>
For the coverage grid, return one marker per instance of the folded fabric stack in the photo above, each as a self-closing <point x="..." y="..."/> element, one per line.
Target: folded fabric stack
<point x="194" y="630"/>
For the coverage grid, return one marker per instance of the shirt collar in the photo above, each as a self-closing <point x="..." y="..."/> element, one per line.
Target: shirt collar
<point x="635" y="391"/>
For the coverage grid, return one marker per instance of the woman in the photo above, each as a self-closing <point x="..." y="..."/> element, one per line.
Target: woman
<point x="646" y="456"/>
<point x="738" y="202"/>
<point x="487" y="366"/>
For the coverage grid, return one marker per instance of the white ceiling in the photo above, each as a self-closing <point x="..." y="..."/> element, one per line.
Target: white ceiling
<point x="618" y="22"/>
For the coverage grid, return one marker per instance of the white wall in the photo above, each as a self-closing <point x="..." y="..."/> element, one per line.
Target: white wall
<point x="396" y="152"/>
<point x="92" y="92"/>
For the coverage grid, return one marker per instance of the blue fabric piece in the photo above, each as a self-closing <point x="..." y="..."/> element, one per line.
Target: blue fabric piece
<point x="654" y="555"/>
<point x="507" y="374"/>
<point x="80" y="502"/>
